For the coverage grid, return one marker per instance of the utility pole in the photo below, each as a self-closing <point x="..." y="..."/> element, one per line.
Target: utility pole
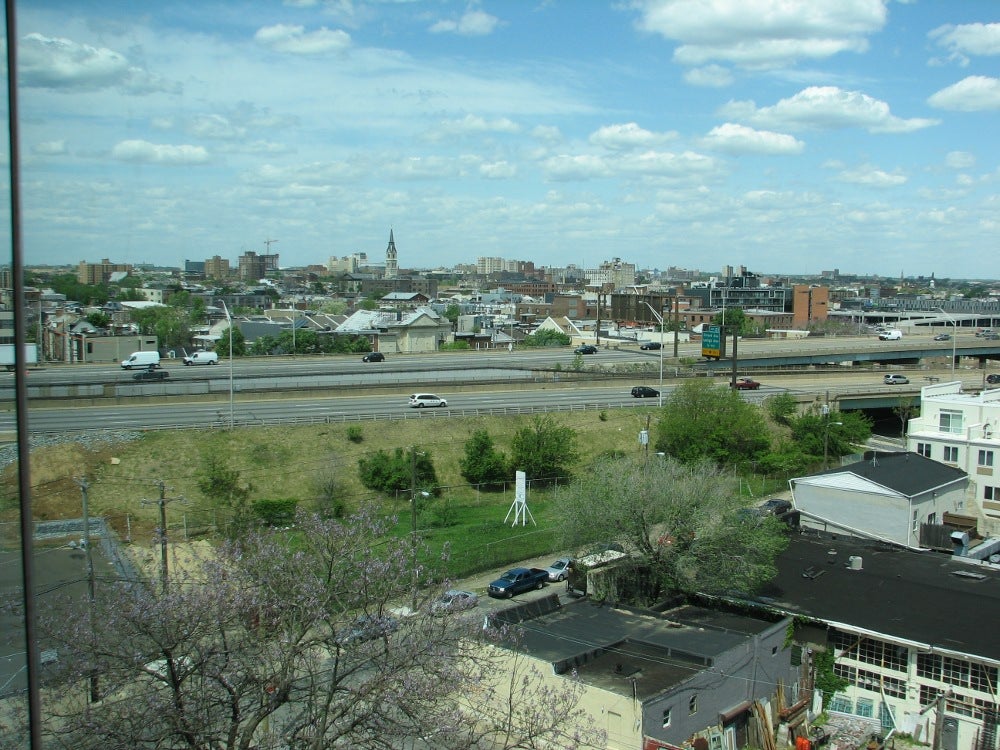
<point x="162" y="502"/>
<point x="677" y="319"/>
<point x="413" y="526"/>
<point x="84" y="485"/>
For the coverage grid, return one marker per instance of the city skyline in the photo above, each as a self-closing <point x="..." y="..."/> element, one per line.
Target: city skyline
<point x="790" y="136"/>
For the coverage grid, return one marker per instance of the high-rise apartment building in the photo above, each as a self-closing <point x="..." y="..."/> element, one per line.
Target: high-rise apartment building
<point x="99" y="273"/>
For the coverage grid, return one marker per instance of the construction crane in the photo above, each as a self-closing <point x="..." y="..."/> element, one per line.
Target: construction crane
<point x="268" y="244"/>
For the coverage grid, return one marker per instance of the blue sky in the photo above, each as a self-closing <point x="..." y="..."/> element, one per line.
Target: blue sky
<point x="789" y="136"/>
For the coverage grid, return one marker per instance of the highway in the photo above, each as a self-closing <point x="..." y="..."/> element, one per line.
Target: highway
<point x="343" y="388"/>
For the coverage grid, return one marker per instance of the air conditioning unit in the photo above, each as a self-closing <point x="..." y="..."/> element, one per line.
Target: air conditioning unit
<point x="854" y="562"/>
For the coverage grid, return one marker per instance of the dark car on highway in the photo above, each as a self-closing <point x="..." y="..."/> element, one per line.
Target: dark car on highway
<point x="585" y="349"/>
<point x="993" y="378"/>
<point x="151" y="374"/>
<point x="746" y="384"/>
<point x="651" y="345"/>
<point x="644" y="391"/>
<point x="373" y="357"/>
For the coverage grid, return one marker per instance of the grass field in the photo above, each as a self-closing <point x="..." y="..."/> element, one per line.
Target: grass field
<point x="307" y="462"/>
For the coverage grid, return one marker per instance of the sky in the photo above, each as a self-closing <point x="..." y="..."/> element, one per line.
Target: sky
<point x="787" y="136"/>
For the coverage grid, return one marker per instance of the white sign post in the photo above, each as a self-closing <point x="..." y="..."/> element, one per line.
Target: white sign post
<point x="519" y="508"/>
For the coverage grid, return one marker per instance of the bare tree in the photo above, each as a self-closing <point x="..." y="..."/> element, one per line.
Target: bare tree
<point x="283" y="640"/>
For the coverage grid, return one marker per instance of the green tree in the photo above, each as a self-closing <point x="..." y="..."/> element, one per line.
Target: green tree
<point x="701" y="421"/>
<point x="732" y="318"/>
<point x="224" y="487"/>
<point x="544" y="449"/>
<point x="171" y="325"/>
<point x="482" y="462"/>
<point x="833" y="435"/>
<point x="398" y="472"/>
<point x="781" y="408"/>
<point x="686" y="523"/>
<point x="99" y="319"/>
<point x="547" y="337"/>
<point x="451" y="313"/>
<point x="239" y="344"/>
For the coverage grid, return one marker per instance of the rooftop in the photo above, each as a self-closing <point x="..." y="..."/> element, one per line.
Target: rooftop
<point x="630" y="651"/>
<point x="927" y="598"/>
<point x="906" y="473"/>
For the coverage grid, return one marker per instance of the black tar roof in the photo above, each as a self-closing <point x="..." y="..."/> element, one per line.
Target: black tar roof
<point x="614" y="647"/>
<point x="925" y="597"/>
<point x="906" y="473"/>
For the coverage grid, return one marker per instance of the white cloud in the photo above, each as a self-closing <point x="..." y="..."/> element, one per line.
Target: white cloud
<point x="710" y="76"/>
<point x="646" y="164"/>
<point x="547" y="134"/>
<point x="762" y="33"/>
<point x="472" y="23"/>
<point x="50" y="148"/>
<point x="473" y="124"/>
<point x="969" y="39"/>
<point x="827" y="108"/>
<point x="972" y="94"/>
<point x="216" y="127"/>
<point x="872" y="177"/>
<point x="498" y="170"/>
<point x="294" y="39"/>
<point x="959" y="160"/>
<point x="628" y="136"/>
<point x="155" y="153"/>
<point x="739" y="139"/>
<point x="62" y="64"/>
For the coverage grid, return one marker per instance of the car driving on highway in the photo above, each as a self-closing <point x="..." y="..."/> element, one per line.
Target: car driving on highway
<point x="896" y="380"/>
<point x="373" y="357"/>
<point x="746" y="384"/>
<point x="585" y="349"/>
<point x="420" y="400"/>
<point x="644" y="391"/>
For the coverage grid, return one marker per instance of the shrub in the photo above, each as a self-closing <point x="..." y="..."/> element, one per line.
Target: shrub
<point x="275" y="512"/>
<point x="355" y="434"/>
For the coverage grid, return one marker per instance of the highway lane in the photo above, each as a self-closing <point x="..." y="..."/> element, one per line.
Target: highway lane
<point x="617" y="352"/>
<point x="179" y="414"/>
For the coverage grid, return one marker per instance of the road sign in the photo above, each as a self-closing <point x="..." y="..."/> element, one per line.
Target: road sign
<point x="713" y="344"/>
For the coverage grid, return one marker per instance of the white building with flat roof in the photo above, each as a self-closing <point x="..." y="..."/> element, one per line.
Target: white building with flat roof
<point x="960" y="429"/>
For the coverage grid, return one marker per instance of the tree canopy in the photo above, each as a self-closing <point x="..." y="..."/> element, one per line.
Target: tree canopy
<point x="702" y="421"/>
<point x="544" y="449"/>
<point x="687" y="522"/>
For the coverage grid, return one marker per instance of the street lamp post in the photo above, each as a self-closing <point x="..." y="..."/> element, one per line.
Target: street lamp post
<point x="826" y="441"/>
<point x="659" y="319"/>
<point x="954" y="339"/>
<point x="229" y="319"/>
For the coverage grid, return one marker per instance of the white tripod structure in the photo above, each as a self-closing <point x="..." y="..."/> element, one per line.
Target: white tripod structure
<point x="520" y="505"/>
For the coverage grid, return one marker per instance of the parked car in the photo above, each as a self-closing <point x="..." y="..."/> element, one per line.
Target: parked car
<point x="896" y="380"/>
<point x="151" y="374"/>
<point x="368" y="628"/>
<point x="993" y="378"/>
<point x="746" y="384"/>
<point x="373" y="357"/>
<point x="644" y="391"/>
<point x="651" y="345"/>
<point x="943" y="337"/>
<point x="420" y="400"/>
<point x="585" y="349"/>
<point x="454" y="600"/>
<point x="559" y="569"/>
<point x="775" y="506"/>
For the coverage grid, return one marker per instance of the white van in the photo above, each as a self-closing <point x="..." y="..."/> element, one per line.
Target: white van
<point x="202" y="358"/>
<point x="142" y="359"/>
<point x="890" y="335"/>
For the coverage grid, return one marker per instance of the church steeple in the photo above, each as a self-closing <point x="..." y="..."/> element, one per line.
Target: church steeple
<point x="391" y="266"/>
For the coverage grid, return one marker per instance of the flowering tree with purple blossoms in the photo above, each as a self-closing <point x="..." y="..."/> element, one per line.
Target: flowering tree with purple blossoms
<point x="288" y="640"/>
